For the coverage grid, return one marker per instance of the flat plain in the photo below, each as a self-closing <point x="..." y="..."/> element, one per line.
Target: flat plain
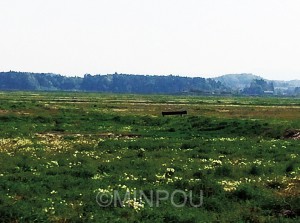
<point x="59" y="150"/>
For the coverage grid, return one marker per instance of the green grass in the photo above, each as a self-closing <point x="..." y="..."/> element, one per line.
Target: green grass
<point x="58" y="150"/>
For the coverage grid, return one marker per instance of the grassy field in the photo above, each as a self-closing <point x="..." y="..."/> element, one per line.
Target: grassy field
<point x="60" y="151"/>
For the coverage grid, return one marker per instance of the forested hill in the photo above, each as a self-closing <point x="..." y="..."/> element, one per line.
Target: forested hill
<point x="117" y="83"/>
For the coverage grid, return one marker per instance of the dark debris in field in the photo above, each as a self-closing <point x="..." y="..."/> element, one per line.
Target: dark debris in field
<point x="292" y="134"/>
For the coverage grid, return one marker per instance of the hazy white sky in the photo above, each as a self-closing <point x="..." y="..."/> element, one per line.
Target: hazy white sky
<point x="181" y="37"/>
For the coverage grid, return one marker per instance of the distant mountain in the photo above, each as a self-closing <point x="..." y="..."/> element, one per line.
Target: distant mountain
<point x="292" y="83"/>
<point x="287" y="87"/>
<point x="237" y="81"/>
<point x="250" y="84"/>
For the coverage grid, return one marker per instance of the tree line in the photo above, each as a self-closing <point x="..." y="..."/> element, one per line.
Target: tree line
<point x="114" y="83"/>
<point x="137" y="84"/>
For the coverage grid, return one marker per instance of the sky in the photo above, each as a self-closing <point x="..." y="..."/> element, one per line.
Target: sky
<point x="204" y="38"/>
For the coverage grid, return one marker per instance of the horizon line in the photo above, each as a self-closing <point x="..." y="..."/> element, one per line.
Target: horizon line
<point x="143" y="74"/>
